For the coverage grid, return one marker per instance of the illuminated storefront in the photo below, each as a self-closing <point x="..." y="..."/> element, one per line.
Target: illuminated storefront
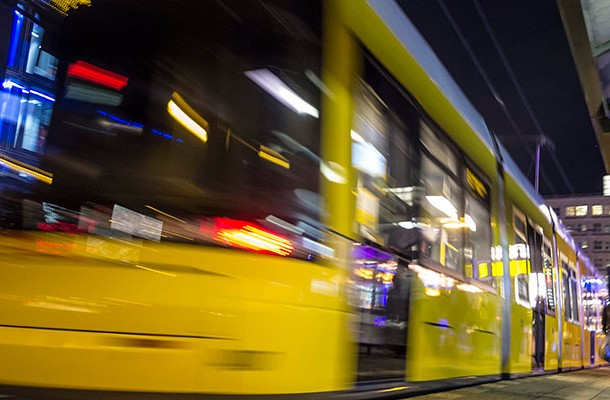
<point x="28" y="85"/>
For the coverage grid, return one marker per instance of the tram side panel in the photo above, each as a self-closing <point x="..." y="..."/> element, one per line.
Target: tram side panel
<point x="454" y="329"/>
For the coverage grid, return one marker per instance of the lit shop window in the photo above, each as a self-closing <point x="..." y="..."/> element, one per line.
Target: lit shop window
<point x="597" y="209"/>
<point x="581" y="211"/>
<point x="570" y="212"/>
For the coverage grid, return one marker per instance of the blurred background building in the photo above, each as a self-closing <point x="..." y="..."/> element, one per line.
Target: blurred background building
<point x="587" y="217"/>
<point x="28" y="71"/>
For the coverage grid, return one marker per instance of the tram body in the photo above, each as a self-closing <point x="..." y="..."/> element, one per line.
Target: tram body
<point x="271" y="198"/>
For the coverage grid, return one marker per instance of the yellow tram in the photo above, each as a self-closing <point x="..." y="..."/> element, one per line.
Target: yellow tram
<point x="271" y="198"/>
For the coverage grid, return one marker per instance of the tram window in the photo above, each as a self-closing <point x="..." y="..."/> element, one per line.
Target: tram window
<point x="522" y="279"/>
<point x="478" y="238"/>
<point x="575" y="298"/>
<point x="438" y="148"/>
<point x="259" y="154"/>
<point x="385" y="160"/>
<point x="567" y="298"/>
<point x="440" y="215"/>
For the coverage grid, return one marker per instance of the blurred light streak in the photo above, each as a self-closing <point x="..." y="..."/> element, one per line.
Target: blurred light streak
<point x="466" y="287"/>
<point x="42" y="95"/>
<point x="273" y="156"/>
<point x="91" y="73"/>
<point x="245" y="235"/>
<point x="8" y="84"/>
<point x="55" y="306"/>
<point x="278" y="89"/>
<point x="154" y="270"/>
<point x="444" y="205"/>
<point x="180" y="110"/>
<point x="31" y="171"/>
<point x="17" y="23"/>
<point x="164" y="213"/>
<point x="75" y="91"/>
<point x="394" y="389"/>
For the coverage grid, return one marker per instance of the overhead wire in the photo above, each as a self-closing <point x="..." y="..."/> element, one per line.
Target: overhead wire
<point x="524" y="99"/>
<point x="491" y="86"/>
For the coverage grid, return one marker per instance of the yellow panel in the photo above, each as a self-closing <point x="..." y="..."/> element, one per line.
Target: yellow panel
<point x="214" y="311"/>
<point x="455" y="333"/>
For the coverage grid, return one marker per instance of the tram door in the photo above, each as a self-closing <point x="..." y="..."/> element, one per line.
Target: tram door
<point x="537" y="288"/>
<point x="381" y="296"/>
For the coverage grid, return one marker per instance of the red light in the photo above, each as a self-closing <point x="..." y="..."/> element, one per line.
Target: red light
<point x="94" y="74"/>
<point x="248" y="236"/>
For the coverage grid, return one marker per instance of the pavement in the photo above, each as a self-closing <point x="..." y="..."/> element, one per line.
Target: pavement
<point x="577" y="385"/>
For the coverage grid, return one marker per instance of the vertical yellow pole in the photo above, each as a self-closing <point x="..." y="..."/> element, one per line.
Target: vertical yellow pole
<point x="340" y="63"/>
<point x="340" y="67"/>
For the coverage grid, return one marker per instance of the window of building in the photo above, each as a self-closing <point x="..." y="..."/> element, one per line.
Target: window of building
<point x="597" y="262"/>
<point x="597" y="209"/>
<point x="583" y="227"/>
<point x="581" y="211"/>
<point x="606" y="209"/>
<point x="597" y="245"/>
<point x="607" y="264"/>
<point x="597" y="227"/>
<point x="583" y="245"/>
<point x="606" y="228"/>
<point x="570" y="211"/>
<point x="607" y="246"/>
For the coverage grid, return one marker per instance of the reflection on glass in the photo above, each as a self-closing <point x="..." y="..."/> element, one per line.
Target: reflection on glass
<point x="442" y="227"/>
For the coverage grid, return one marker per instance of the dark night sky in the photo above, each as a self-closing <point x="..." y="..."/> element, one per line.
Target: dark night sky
<point x="531" y="35"/>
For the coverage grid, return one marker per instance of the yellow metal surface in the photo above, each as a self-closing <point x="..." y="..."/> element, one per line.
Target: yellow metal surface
<point x="193" y="320"/>
<point x="452" y="334"/>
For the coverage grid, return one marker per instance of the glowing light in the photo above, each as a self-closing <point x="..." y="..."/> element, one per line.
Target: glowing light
<point x="483" y="270"/>
<point x="273" y="156"/>
<point x="432" y="292"/>
<point x="91" y="73"/>
<point x="393" y="389"/>
<point x="180" y="110"/>
<point x="247" y="236"/>
<point x="17" y="23"/>
<point x="466" y="287"/>
<point x="30" y="171"/>
<point x="155" y="270"/>
<point x="497" y="268"/>
<point x="406" y="225"/>
<point x="518" y="251"/>
<point x="519" y="267"/>
<point x="8" y="84"/>
<point x="356" y="137"/>
<point x="469" y="222"/>
<point x="333" y="172"/>
<point x="443" y="205"/>
<point x="432" y="279"/>
<point x="166" y="214"/>
<point x="281" y="92"/>
<point x="44" y="96"/>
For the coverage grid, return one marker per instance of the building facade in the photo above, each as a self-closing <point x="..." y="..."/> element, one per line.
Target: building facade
<point x="588" y="220"/>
